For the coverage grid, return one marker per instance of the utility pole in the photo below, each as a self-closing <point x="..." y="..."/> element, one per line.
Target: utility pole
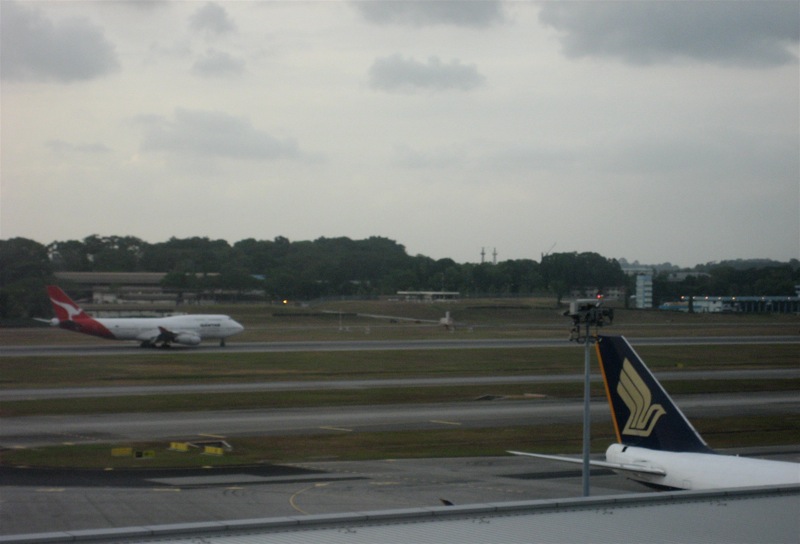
<point x="585" y="313"/>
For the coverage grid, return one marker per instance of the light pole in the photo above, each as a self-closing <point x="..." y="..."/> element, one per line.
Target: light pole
<point x="585" y="313"/>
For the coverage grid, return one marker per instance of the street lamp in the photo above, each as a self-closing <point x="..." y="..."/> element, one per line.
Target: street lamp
<point x="585" y="313"/>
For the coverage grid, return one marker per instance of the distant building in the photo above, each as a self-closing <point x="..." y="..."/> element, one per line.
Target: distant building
<point x="120" y="294"/>
<point x="428" y="296"/>
<point x="747" y="305"/>
<point x="644" y="291"/>
<point x="676" y="277"/>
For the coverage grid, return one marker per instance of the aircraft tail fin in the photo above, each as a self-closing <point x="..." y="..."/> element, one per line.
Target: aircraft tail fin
<point x="643" y="413"/>
<point x="64" y="307"/>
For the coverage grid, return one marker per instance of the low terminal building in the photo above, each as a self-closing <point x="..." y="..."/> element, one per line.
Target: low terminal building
<point x="117" y="294"/>
<point x="730" y="304"/>
<point x="428" y="296"/>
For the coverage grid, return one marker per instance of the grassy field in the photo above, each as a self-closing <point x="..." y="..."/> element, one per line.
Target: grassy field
<point x="484" y="318"/>
<point x="186" y="367"/>
<point x="397" y="320"/>
<point x="331" y="446"/>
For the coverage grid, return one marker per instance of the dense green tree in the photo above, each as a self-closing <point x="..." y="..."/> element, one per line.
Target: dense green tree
<point x="339" y="266"/>
<point x="69" y="255"/>
<point x="25" y="269"/>
<point x="114" y="253"/>
<point x="197" y="255"/>
<point x="564" y="272"/>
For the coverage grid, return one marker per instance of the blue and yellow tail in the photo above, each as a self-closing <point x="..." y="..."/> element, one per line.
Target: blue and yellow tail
<point x="643" y="413"/>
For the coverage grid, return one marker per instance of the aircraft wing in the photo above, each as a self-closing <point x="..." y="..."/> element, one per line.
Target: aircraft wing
<point x="187" y="337"/>
<point x="623" y="467"/>
<point x="149" y="335"/>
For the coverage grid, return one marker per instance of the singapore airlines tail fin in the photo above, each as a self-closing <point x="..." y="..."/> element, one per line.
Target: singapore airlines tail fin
<point x="656" y="444"/>
<point x="643" y="413"/>
<point x="65" y="308"/>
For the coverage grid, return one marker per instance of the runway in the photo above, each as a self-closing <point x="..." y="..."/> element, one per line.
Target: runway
<point x="9" y="395"/>
<point x="33" y="431"/>
<point x="119" y="348"/>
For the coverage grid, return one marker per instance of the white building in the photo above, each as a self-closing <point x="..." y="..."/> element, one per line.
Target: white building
<point x="644" y="291"/>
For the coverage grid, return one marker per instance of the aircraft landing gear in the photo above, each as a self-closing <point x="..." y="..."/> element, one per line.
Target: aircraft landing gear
<point x="222" y="342"/>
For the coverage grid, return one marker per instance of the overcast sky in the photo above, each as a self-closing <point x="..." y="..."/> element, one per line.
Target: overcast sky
<point x="654" y="131"/>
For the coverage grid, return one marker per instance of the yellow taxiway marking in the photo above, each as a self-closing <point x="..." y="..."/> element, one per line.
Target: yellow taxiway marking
<point x="337" y="429"/>
<point x="445" y="422"/>
<point x="51" y="490"/>
<point x="297" y="494"/>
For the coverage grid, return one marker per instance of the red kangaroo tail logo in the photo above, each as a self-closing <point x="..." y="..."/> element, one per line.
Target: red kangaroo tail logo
<point x="72" y="317"/>
<point x="63" y="306"/>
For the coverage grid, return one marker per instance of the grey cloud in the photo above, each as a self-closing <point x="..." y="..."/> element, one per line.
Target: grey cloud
<point x="476" y="13"/>
<point x="743" y="33"/>
<point x="61" y="146"/>
<point x="32" y="48"/>
<point x="218" y="64"/>
<point x="513" y="157"/>
<point x="720" y="159"/>
<point x="213" y="134"/>
<point x="213" y="19"/>
<point x="414" y="159"/>
<point x="394" y="73"/>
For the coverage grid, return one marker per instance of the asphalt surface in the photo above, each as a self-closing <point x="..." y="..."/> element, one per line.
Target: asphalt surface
<point x="35" y="501"/>
<point x="120" y="348"/>
<point x="313" y="385"/>
<point x="40" y="501"/>
<point x="34" y="431"/>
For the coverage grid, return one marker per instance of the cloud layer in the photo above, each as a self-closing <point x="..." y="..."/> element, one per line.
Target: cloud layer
<point x="655" y="131"/>
<point x="747" y="33"/>
<point x="395" y="73"/>
<point x="213" y="134"/>
<point x="420" y="13"/>
<point x="34" y="48"/>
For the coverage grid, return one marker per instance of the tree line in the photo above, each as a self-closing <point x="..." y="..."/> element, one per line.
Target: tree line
<point x="334" y="267"/>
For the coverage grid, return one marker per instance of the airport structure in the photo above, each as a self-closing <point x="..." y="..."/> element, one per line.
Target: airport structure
<point x="116" y="294"/>
<point x="428" y="296"/>
<point x="728" y="304"/>
<point x="644" y="291"/>
<point x="141" y="294"/>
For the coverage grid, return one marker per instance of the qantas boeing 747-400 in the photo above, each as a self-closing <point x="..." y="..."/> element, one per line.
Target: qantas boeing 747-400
<point x="188" y="330"/>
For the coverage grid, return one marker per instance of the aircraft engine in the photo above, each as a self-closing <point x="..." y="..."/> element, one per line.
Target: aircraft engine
<point x="187" y="338"/>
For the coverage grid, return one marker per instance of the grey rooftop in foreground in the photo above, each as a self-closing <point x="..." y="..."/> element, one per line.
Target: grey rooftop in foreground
<point x="731" y="515"/>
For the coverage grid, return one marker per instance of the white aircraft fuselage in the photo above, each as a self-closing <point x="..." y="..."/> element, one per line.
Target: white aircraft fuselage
<point x="686" y="470"/>
<point x="187" y="329"/>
